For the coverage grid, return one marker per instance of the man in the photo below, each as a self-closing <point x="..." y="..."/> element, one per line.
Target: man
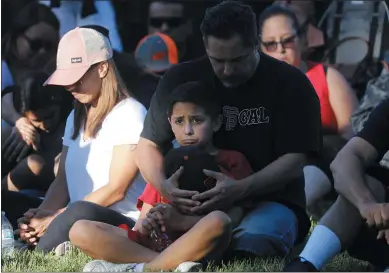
<point x="359" y="219"/>
<point x="170" y="17"/>
<point x="271" y="115"/>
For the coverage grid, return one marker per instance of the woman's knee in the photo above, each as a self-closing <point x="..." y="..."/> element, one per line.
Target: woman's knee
<point x="218" y="224"/>
<point x="36" y="163"/>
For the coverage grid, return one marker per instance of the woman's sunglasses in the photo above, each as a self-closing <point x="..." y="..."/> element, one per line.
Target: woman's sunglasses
<point x="285" y="43"/>
<point x="38" y="44"/>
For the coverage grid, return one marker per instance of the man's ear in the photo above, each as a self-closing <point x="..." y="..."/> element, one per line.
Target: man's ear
<point x="218" y="123"/>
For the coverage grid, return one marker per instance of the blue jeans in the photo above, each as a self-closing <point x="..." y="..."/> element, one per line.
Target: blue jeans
<point x="270" y="229"/>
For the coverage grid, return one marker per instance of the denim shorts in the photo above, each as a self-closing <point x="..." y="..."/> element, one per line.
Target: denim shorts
<point x="270" y="229"/>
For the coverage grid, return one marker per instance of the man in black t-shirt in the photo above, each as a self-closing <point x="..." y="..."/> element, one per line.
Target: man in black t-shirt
<point x="271" y="115"/>
<point x="359" y="220"/>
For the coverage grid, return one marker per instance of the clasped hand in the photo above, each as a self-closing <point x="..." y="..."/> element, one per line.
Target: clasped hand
<point x="222" y="196"/>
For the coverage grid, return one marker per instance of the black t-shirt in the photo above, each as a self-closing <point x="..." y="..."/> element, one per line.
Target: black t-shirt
<point x="275" y="113"/>
<point x="376" y="132"/>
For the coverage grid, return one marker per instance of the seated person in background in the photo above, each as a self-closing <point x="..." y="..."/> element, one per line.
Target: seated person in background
<point x="282" y="38"/>
<point x="377" y="91"/>
<point x="46" y="108"/>
<point x="194" y="115"/>
<point x="29" y="41"/>
<point x="359" y="220"/>
<point x="97" y="178"/>
<point x="156" y="53"/>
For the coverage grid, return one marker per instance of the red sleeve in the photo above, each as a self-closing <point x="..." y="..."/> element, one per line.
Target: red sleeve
<point x="149" y="196"/>
<point x="235" y="163"/>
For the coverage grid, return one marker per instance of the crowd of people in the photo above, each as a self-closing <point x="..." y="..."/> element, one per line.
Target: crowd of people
<point x="160" y="159"/>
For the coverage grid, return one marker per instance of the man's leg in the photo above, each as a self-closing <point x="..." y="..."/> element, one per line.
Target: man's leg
<point x="317" y="184"/>
<point x="336" y="231"/>
<point x="268" y="230"/>
<point x="58" y="231"/>
<point x="208" y="239"/>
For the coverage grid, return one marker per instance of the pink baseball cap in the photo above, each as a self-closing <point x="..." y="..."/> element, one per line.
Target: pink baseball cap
<point x="78" y="50"/>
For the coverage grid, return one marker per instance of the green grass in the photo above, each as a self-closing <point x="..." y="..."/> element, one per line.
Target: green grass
<point x="31" y="261"/>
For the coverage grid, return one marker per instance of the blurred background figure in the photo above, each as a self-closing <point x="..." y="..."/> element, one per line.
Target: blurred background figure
<point x="86" y="12"/>
<point x="170" y="17"/>
<point x="29" y="39"/>
<point x="33" y="167"/>
<point x="156" y="53"/>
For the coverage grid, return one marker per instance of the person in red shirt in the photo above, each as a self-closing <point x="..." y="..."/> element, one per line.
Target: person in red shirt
<point x="284" y="38"/>
<point x="194" y="115"/>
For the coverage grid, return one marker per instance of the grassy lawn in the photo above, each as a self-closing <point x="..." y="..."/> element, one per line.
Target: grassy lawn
<point x="75" y="261"/>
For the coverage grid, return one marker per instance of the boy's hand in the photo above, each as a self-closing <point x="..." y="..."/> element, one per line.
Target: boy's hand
<point x="148" y="225"/>
<point x="167" y="217"/>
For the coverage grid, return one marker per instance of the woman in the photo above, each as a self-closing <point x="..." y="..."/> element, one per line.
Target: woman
<point x="29" y="41"/>
<point x="46" y="108"/>
<point x="97" y="172"/>
<point x="282" y="38"/>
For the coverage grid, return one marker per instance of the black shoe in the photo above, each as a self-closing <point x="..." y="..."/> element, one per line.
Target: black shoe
<point x="299" y="265"/>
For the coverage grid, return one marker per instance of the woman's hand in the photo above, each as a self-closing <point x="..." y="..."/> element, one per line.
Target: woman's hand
<point x="181" y="199"/>
<point x="34" y="224"/>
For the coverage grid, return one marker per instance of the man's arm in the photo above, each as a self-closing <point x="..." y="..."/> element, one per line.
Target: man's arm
<point x="348" y="170"/>
<point x="273" y="177"/>
<point x="150" y="163"/>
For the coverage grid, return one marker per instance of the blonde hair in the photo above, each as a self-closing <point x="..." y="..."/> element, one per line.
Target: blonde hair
<point x="113" y="90"/>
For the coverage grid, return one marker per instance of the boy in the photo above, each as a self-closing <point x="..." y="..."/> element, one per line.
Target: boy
<point x="194" y="115"/>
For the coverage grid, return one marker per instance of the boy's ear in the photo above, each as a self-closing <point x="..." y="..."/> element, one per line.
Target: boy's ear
<point x="218" y="123"/>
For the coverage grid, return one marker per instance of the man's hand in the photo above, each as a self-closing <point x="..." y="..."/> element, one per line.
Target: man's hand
<point x="376" y="214"/>
<point x="34" y="224"/>
<point x="181" y="199"/>
<point x="148" y="225"/>
<point x="383" y="234"/>
<point x="168" y="218"/>
<point x="222" y="196"/>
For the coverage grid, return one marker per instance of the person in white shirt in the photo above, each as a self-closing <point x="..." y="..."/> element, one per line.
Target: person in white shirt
<point x="97" y="172"/>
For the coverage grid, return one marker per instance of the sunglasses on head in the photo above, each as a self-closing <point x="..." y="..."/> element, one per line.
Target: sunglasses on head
<point x="38" y="44"/>
<point x="272" y="46"/>
<point x="171" y="22"/>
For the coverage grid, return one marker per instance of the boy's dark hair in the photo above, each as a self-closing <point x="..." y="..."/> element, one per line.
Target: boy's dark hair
<point x="275" y="10"/>
<point x="229" y="18"/>
<point x="198" y="93"/>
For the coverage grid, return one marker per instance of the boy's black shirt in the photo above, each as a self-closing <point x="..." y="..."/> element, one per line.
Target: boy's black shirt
<point x="276" y="112"/>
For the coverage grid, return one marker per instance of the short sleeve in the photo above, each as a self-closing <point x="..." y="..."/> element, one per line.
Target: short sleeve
<point x="235" y="163"/>
<point x="125" y="122"/>
<point x="149" y="196"/>
<point x="69" y="128"/>
<point x="376" y="129"/>
<point x="6" y="76"/>
<point x="298" y="127"/>
<point x="157" y="128"/>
